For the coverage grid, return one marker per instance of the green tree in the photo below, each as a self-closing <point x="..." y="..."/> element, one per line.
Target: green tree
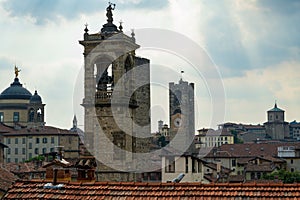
<point x="284" y="176"/>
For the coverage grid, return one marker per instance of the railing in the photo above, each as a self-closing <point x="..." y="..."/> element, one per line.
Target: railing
<point x="104" y="97"/>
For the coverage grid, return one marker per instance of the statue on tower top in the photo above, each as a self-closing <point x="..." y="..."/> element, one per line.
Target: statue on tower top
<point x="17" y="70"/>
<point x="111" y="6"/>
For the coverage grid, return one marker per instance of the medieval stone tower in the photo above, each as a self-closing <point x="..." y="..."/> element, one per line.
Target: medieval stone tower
<point x="116" y="103"/>
<point x="182" y="116"/>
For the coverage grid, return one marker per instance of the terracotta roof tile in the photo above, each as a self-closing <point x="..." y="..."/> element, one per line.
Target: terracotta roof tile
<point x="130" y="190"/>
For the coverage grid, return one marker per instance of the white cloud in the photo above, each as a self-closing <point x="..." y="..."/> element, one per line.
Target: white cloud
<point x="249" y="96"/>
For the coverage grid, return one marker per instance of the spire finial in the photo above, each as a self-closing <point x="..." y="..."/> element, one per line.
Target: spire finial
<point x="17" y="70"/>
<point x="275" y="104"/>
<point x="133" y="35"/>
<point x="121" y="27"/>
<point x="182" y="72"/>
<point x="75" y="121"/>
<point x="86" y="30"/>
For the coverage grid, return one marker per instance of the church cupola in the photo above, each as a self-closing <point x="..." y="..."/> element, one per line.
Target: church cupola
<point x="36" y="98"/>
<point x="36" y="110"/>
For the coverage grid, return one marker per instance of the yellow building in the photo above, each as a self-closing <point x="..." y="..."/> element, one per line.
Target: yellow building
<point x="213" y="138"/>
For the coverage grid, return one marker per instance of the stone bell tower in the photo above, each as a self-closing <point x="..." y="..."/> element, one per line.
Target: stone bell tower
<point x="116" y="105"/>
<point x="182" y="115"/>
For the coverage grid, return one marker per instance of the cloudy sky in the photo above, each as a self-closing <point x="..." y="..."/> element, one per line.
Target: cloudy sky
<point x="254" y="46"/>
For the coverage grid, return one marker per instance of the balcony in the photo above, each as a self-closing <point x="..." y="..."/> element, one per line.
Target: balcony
<point x="103" y="98"/>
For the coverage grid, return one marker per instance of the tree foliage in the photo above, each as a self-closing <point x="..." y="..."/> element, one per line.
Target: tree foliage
<point x="284" y="176"/>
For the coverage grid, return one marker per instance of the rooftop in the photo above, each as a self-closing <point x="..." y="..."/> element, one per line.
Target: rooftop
<point x="276" y="109"/>
<point x="16" y="91"/>
<point x="131" y="190"/>
<point x="45" y="130"/>
<point x="249" y="150"/>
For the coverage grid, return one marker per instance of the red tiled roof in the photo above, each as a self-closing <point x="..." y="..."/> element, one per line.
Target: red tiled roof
<point x="6" y="179"/>
<point x="46" y="130"/>
<point x="267" y="167"/>
<point x="214" y="167"/>
<point x="130" y="190"/>
<point x="4" y="128"/>
<point x="251" y="149"/>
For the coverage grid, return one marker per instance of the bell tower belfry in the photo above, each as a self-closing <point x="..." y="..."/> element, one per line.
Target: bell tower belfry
<point x="113" y="108"/>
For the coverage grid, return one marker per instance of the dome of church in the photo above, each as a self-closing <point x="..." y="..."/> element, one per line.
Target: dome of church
<point x="36" y="98"/>
<point x="16" y="91"/>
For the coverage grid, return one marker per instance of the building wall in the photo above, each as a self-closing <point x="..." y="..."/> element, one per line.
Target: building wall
<point x="292" y="164"/>
<point x="191" y="175"/>
<point x="181" y="108"/>
<point x="30" y="146"/>
<point x="215" y="141"/>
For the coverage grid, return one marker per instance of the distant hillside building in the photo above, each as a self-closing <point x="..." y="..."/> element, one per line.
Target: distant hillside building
<point x="295" y="130"/>
<point x="213" y="138"/>
<point x="276" y="127"/>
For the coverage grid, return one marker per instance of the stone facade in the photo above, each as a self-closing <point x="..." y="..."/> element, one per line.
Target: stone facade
<point x="182" y="115"/>
<point x="276" y="127"/>
<point x="116" y="102"/>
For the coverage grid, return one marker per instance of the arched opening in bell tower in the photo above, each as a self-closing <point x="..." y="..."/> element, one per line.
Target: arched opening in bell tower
<point x="103" y="74"/>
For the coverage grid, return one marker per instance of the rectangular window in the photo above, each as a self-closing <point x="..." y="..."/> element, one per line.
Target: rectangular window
<point x="30" y="155"/>
<point x="23" y="140"/>
<point x="8" y="140"/>
<point x="8" y="151"/>
<point x="16" y="141"/>
<point x="16" y="151"/>
<point x="52" y="140"/>
<point x="186" y="164"/>
<point x="16" y="160"/>
<point x="52" y="149"/>
<point x="44" y="150"/>
<point x="44" y="140"/>
<point x="233" y="163"/>
<point x="36" y="150"/>
<point x="292" y="161"/>
<point x="30" y="145"/>
<point x="199" y="166"/>
<point x="8" y="160"/>
<point x="16" y="117"/>
<point x="23" y="151"/>
<point x="37" y="140"/>
<point x="1" y="117"/>
<point x="194" y="169"/>
<point x="170" y="164"/>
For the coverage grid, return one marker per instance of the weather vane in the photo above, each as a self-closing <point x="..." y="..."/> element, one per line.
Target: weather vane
<point x="17" y="70"/>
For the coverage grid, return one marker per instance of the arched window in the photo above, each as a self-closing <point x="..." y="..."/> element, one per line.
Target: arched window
<point x="128" y="64"/>
<point x="31" y="115"/>
<point x="44" y="150"/>
<point x="39" y="115"/>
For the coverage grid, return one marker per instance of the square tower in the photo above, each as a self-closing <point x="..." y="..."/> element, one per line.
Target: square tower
<point x="276" y="127"/>
<point x="116" y="104"/>
<point x="182" y="115"/>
